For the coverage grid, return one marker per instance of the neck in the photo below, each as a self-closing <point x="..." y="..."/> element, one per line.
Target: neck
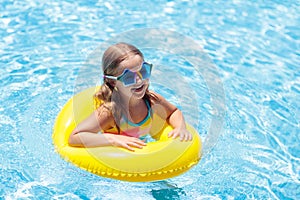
<point x="130" y="102"/>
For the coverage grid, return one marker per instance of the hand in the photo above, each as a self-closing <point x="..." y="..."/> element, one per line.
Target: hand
<point x="184" y="134"/>
<point x="125" y="141"/>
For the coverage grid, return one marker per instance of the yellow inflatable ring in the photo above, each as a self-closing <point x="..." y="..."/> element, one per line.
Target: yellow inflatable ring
<point x="161" y="159"/>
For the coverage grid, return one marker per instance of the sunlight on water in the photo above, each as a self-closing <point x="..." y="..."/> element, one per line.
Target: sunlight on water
<point x="252" y="47"/>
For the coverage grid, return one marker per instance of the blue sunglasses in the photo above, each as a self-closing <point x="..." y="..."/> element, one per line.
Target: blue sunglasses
<point x="128" y="77"/>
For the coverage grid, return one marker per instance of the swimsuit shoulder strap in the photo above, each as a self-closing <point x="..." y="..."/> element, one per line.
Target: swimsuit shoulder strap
<point x="149" y="114"/>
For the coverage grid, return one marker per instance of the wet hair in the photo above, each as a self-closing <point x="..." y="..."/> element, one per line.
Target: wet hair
<point x="107" y="98"/>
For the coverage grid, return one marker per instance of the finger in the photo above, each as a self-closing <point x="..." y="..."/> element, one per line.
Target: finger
<point x="140" y="142"/>
<point x="175" y="135"/>
<point x="182" y="137"/>
<point x="128" y="147"/>
<point x="190" y="137"/>
<point x="186" y="136"/>
<point x="170" y="134"/>
<point x="133" y="144"/>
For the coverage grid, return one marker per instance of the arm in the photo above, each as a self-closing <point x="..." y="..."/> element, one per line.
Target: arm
<point x="174" y="117"/>
<point x="86" y="133"/>
<point x="176" y="120"/>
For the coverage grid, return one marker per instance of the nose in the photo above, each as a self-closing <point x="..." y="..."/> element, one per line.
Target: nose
<point x="138" y="77"/>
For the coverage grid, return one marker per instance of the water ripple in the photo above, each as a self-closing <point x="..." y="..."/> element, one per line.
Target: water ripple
<point x="255" y="46"/>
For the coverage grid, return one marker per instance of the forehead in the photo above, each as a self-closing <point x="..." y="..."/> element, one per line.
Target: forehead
<point x="132" y="63"/>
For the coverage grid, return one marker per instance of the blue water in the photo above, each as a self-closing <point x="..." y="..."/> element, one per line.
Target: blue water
<point x="254" y="46"/>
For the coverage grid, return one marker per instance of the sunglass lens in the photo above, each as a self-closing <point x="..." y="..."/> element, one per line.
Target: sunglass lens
<point x="146" y="70"/>
<point x="128" y="78"/>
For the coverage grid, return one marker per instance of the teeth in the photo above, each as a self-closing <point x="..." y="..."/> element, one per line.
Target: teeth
<point x="139" y="88"/>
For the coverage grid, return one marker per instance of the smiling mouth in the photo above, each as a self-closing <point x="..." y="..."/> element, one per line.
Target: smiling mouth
<point x="138" y="89"/>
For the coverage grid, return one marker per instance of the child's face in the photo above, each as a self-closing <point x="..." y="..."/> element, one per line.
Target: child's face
<point x="133" y="63"/>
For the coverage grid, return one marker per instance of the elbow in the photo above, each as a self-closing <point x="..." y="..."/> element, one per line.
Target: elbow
<point x="71" y="141"/>
<point x="74" y="140"/>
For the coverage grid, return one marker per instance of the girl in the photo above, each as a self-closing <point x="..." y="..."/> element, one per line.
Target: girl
<point x="126" y="106"/>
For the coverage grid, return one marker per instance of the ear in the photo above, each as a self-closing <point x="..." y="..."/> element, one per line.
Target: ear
<point x="111" y="83"/>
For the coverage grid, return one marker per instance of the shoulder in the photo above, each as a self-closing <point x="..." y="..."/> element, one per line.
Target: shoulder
<point x="160" y="103"/>
<point x="155" y="97"/>
<point x="104" y="116"/>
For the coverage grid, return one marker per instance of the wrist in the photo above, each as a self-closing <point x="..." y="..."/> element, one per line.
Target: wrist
<point x="110" y="139"/>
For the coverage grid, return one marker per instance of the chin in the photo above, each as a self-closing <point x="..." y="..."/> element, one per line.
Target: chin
<point x="139" y="95"/>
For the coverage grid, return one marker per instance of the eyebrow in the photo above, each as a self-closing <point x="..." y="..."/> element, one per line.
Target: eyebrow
<point x="139" y="67"/>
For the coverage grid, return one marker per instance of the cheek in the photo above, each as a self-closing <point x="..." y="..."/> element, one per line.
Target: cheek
<point x="121" y="88"/>
<point x="147" y="82"/>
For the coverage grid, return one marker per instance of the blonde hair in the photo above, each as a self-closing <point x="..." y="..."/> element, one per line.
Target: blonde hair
<point x="107" y="96"/>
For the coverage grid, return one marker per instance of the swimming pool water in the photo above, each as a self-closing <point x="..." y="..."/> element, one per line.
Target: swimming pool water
<point x="254" y="46"/>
